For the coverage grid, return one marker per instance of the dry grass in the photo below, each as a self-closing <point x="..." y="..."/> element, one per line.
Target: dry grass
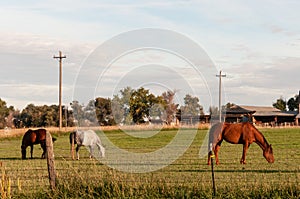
<point x="6" y="133"/>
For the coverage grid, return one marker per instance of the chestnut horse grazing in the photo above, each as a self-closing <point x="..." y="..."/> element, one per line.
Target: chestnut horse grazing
<point x="32" y="137"/>
<point x="241" y="133"/>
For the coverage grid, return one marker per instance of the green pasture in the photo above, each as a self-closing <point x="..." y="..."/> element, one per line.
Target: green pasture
<point x="187" y="177"/>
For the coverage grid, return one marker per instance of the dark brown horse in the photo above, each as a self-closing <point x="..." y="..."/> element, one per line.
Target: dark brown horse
<point x="32" y="137"/>
<point x="242" y="133"/>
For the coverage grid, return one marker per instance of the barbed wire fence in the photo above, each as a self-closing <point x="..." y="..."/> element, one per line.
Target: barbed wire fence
<point x="32" y="175"/>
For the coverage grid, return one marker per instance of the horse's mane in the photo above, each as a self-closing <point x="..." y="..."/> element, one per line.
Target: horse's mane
<point x="258" y="132"/>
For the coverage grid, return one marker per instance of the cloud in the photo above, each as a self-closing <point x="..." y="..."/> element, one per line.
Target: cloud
<point x="20" y="95"/>
<point x="255" y="43"/>
<point x="264" y="83"/>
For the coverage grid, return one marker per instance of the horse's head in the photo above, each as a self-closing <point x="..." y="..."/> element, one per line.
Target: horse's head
<point x="268" y="154"/>
<point x="23" y="151"/>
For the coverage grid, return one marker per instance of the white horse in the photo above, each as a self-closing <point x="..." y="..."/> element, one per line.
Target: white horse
<point x="86" y="138"/>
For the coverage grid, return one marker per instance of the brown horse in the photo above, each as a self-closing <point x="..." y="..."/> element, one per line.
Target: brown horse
<point x="242" y="133"/>
<point x="32" y="137"/>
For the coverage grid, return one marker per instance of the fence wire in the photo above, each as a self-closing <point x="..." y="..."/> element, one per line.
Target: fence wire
<point x="31" y="175"/>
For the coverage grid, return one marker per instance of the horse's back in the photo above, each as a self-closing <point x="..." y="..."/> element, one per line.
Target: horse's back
<point x="85" y="138"/>
<point x="230" y="132"/>
<point x="90" y="138"/>
<point x="238" y="133"/>
<point x="34" y="136"/>
<point x="41" y="135"/>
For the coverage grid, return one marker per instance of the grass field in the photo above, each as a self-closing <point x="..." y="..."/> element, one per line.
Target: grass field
<point x="187" y="177"/>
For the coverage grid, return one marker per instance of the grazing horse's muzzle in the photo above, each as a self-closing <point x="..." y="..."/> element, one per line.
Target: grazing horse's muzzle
<point x="268" y="154"/>
<point x="270" y="158"/>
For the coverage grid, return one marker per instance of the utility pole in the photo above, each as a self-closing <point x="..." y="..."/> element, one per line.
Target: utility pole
<point x="220" y="93"/>
<point x="60" y="57"/>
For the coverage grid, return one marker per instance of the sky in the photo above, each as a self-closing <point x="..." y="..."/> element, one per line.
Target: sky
<point x="255" y="43"/>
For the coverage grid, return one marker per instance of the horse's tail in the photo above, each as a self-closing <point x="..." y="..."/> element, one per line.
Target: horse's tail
<point x="214" y="134"/>
<point x="73" y="137"/>
<point x="72" y="142"/>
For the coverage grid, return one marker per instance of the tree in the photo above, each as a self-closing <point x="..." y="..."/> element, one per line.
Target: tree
<point x="213" y="110"/>
<point x="280" y="104"/>
<point x="120" y="106"/>
<point x="78" y="113"/>
<point x="104" y="111"/>
<point x="169" y="106"/>
<point x="41" y="116"/>
<point x="49" y="115"/>
<point x="27" y="115"/>
<point x="90" y="114"/>
<point x="5" y="112"/>
<point x="141" y="102"/>
<point x="191" y="106"/>
<point x="118" y="110"/>
<point x="293" y="103"/>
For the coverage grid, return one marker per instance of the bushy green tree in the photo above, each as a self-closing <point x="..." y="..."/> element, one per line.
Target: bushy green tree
<point x="4" y="112"/>
<point x="104" y="111"/>
<point x="191" y="106"/>
<point x="78" y="112"/>
<point x="141" y="102"/>
<point x="280" y="104"/>
<point x="293" y="103"/>
<point x="121" y="106"/>
<point x="42" y="116"/>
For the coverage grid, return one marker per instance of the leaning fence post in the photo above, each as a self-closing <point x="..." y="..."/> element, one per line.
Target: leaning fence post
<point x="50" y="160"/>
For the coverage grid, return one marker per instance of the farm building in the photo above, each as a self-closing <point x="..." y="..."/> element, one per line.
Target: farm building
<point x="266" y="116"/>
<point x="192" y="120"/>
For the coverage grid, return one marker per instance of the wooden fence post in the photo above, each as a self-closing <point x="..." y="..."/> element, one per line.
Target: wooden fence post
<point x="50" y="160"/>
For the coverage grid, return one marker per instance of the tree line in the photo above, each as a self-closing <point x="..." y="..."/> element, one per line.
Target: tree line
<point x="130" y="106"/>
<point x="291" y="105"/>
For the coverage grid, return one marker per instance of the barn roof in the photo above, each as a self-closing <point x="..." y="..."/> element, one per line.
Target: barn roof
<point x="258" y="111"/>
<point x="235" y="109"/>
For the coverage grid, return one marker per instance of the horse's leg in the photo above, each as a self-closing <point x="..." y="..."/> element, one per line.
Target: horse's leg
<point x="91" y="151"/>
<point x="77" y="151"/>
<point x="209" y="156"/>
<point x="72" y="138"/>
<point x="31" y="151"/>
<point x="72" y="151"/>
<point x="216" y="151"/>
<point x="43" y="145"/>
<point x="245" y="148"/>
<point x="101" y="150"/>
